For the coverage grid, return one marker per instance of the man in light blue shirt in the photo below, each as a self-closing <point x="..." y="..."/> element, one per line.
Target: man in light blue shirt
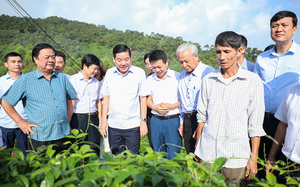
<point x="124" y="91"/>
<point x="164" y="102"/>
<point x="189" y="87"/>
<point x="10" y="130"/>
<point x="87" y="105"/>
<point x="242" y="59"/>
<point x="279" y="69"/>
<point x="45" y="94"/>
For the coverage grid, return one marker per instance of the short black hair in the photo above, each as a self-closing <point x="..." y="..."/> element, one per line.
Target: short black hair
<point x="146" y="56"/>
<point x="244" y="41"/>
<point x="158" y="55"/>
<point x="89" y="60"/>
<point x="284" y="14"/>
<point x="229" y="38"/>
<point x="61" y="54"/>
<point x="269" y="47"/>
<point x="11" y="54"/>
<point x="36" y="49"/>
<point x="120" y="49"/>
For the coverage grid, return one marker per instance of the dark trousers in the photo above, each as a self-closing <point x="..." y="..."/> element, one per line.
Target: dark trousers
<point x="149" y="115"/>
<point x="59" y="144"/>
<point x="270" y="126"/>
<point x="82" y="124"/>
<point x="119" y="139"/>
<point x="165" y="136"/>
<point x="10" y="135"/>
<point x="189" y="127"/>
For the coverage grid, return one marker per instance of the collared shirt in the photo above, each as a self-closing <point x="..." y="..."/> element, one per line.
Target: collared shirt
<point x="278" y="73"/>
<point x="232" y="111"/>
<point x="189" y="87"/>
<point x="164" y="90"/>
<point x="45" y="103"/>
<point x="5" y="121"/>
<point x="125" y="92"/>
<point x="248" y="65"/>
<point x="289" y="113"/>
<point x="87" y="93"/>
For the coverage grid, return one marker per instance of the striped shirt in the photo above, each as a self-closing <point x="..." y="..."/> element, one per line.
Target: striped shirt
<point x="45" y="103"/>
<point x="232" y="111"/>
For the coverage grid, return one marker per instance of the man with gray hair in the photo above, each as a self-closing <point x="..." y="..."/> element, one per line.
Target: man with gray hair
<point x="189" y="87"/>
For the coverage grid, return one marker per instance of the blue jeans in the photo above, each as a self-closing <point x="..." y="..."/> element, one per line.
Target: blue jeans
<point x="165" y="136"/>
<point x="9" y="136"/>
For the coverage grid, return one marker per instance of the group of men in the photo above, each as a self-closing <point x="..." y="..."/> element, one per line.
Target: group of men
<point x="215" y="111"/>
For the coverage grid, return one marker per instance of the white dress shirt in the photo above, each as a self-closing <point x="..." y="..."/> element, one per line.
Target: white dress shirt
<point x="232" y="111"/>
<point x="165" y="90"/>
<point x="87" y="93"/>
<point x="125" y="92"/>
<point x="5" y="121"/>
<point x="289" y="113"/>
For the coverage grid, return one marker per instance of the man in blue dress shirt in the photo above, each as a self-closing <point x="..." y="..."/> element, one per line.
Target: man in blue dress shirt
<point x="124" y="91"/>
<point x="279" y="69"/>
<point x="189" y="87"/>
<point x="242" y="59"/>
<point x="11" y="131"/>
<point x="45" y="94"/>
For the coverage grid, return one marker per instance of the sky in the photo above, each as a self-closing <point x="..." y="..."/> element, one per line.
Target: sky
<point x="198" y="21"/>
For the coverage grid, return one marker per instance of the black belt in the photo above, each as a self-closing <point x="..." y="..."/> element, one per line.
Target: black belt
<point x="269" y="115"/>
<point x="165" y="117"/>
<point x="88" y="115"/>
<point x="190" y="115"/>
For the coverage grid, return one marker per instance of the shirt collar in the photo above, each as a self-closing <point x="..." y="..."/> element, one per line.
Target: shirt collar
<point x="129" y="71"/>
<point x="244" y="64"/>
<point x="292" y="49"/>
<point x="197" y="71"/>
<point x="38" y="74"/>
<point x="239" y="74"/>
<point x="169" y="74"/>
<point x="7" y="76"/>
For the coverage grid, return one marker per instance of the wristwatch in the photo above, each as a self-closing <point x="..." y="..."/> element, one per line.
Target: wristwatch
<point x="144" y="119"/>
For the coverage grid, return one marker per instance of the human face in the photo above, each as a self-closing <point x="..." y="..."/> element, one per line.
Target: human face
<point x="59" y="64"/>
<point x="98" y="74"/>
<point x="227" y="57"/>
<point x="148" y="65"/>
<point x="90" y="71"/>
<point x="282" y="30"/>
<point x="46" y="60"/>
<point x="160" y="68"/>
<point x="187" y="61"/>
<point x="123" y="62"/>
<point x="14" y="64"/>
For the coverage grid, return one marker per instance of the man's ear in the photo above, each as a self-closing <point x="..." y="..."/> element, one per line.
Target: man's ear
<point x="6" y="64"/>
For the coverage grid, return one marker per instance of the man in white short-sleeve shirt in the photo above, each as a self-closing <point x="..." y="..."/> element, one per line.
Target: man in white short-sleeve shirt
<point x="124" y="91"/>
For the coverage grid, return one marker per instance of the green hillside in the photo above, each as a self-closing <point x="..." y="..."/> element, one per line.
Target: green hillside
<point x="79" y="38"/>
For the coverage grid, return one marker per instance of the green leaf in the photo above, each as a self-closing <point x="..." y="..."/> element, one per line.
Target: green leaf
<point x="30" y="156"/>
<point x="48" y="181"/>
<point x="271" y="179"/>
<point x="219" y="163"/>
<point x="75" y="132"/>
<point x="50" y="152"/>
<point x="40" y="171"/>
<point x="65" y="181"/>
<point x="280" y="185"/>
<point x="81" y="135"/>
<point x="19" y="154"/>
<point x="85" y="148"/>
<point x="139" y="178"/>
<point x="156" y="179"/>
<point x="90" y="176"/>
<point x="23" y="180"/>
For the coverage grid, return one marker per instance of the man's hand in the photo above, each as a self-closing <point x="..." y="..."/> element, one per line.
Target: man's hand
<point x="180" y="130"/>
<point x="103" y="127"/>
<point x="143" y="129"/>
<point x="270" y="164"/>
<point x="161" y="108"/>
<point x="251" y="168"/>
<point x="26" y="127"/>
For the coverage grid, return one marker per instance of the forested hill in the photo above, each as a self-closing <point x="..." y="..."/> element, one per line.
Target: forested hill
<point x="79" y="38"/>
